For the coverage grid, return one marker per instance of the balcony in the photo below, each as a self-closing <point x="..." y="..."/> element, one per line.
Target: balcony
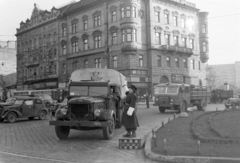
<point x="177" y="49"/>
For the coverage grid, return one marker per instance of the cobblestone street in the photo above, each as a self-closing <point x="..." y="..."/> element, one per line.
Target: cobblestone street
<point x="36" y="138"/>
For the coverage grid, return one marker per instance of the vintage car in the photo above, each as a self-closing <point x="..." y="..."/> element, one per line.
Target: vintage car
<point x="10" y="101"/>
<point x="24" y="107"/>
<point x="233" y="103"/>
<point x="47" y="99"/>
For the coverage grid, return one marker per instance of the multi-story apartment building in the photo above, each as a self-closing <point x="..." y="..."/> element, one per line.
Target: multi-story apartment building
<point x="149" y="41"/>
<point x="227" y="73"/>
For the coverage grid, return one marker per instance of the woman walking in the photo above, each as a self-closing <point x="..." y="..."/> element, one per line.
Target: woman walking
<point x="130" y="120"/>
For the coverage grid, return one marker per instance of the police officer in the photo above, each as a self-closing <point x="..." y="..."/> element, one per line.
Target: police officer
<point x="130" y="122"/>
<point x="147" y="101"/>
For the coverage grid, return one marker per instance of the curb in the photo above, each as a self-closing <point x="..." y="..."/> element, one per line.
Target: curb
<point x="181" y="159"/>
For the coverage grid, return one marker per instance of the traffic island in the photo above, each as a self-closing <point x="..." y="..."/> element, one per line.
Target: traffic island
<point x="178" y="141"/>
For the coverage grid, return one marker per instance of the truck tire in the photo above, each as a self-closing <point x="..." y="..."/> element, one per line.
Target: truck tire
<point x="234" y="106"/>
<point x="202" y="106"/>
<point x="162" y="109"/>
<point x="183" y="107"/>
<point x="119" y="118"/>
<point x="109" y="131"/>
<point x="62" y="132"/>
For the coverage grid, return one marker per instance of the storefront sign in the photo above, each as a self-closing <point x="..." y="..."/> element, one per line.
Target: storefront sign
<point x="177" y="78"/>
<point x="140" y="85"/>
<point x="39" y="85"/>
<point x="51" y="84"/>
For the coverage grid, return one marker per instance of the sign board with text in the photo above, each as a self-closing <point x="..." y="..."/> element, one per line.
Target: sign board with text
<point x="177" y="78"/>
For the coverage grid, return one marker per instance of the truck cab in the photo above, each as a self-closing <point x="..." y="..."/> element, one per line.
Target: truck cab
<point x="180" y="96"/>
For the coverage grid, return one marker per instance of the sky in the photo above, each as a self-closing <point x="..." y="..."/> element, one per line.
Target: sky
<point x="223" y="20"/>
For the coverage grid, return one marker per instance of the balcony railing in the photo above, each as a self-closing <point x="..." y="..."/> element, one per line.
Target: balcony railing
<point x="177" y="49"/>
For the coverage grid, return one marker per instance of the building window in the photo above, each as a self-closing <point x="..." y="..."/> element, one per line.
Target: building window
<point x="98" y="63"/>
<point x="157" y="16"/>
<point x="167" y="39"/>
<point x="64" y="31"/>
<point x="64" y="49"/>
<point x="175" y="40"/>
<point x="185" y="63"/>
<point x="74" y="47"/>
<point x="159" y="61"/>
<point x="115" y="61"/>
<point x="74" y="66"/>
<point x="191" y="24"/>
<point x="123" y="35"/>
<point x="158" y="38"/>
<point x="114" y="38"/>
<point x="86" y="64"/>
<point x="199" y="65"/>
<point x="191" y="43"/>
<point x="85" y="24"/>
<point x="97" y="42"/>
<point x="175" y="21"/>
<point x="140" y="60"/>
<point x="114" y="16"/>
<point x="97" y="21"/>
<point x="85" y="41"/>
<point x="193" y="64"/>
<point x="131" y="35"/>
<point x="64" y="69"/>
<point x="166" y="18"/>
<point x="183" y="21"/>
<point x="54" y="37"/>
<point x="204" y="45"/>
<point x="74" y="27"/>
<point x="184" y="42"/>
<point x="204" y="29"/>
<point x="168" y="61"/>
<point x="177" y="62"/>
<point x="128" y="11"/>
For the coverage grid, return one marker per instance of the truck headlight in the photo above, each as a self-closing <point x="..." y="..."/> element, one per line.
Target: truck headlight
<point x="156" y="99"/>
<point x="97" y="112"/>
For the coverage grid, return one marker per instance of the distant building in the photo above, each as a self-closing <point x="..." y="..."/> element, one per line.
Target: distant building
<point x="227" y="73"/>
<point x="7" y="57"/>
<point x="148" y="41"/>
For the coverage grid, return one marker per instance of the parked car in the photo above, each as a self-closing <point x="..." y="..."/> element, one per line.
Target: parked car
<point x="24" y="107"/>
<point x="233" y="103"/>
<point x="10" y="101"/>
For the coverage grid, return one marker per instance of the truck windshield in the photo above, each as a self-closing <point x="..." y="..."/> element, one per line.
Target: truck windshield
<point x="88" y="91"/>
<point x="172" y="89"/>
<point x="18" y="102"/>
<point x="165" y="90"/>
<point x="160" y="90"/>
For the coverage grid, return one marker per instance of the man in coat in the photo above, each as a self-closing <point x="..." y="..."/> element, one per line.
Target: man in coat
<point x="130" y="120"/>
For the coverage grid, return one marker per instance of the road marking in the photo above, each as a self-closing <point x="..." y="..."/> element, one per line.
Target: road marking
<point x="32" y="157"/>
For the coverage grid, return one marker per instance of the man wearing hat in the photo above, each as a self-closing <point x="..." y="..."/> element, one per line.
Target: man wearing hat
<point x="130" y="120"/>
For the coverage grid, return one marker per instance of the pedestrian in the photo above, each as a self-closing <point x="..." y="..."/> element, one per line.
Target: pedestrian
<point x="130" y="120"/>
<point x="147" y="101"/>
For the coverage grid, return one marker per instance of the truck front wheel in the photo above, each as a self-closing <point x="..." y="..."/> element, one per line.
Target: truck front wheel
<point x="162" y="109"/>
<point x="62" y="132"/>
<point x="109" y="131"/>
<point x="119" y="118"/>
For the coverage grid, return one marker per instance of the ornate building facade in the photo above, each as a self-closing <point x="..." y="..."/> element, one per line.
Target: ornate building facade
<point x="148" y="41"/>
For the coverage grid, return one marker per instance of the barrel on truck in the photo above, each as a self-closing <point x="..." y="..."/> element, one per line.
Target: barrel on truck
<point x="180" y="96"/>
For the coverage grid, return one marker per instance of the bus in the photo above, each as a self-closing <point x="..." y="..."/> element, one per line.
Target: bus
<point x="33" y="92"/>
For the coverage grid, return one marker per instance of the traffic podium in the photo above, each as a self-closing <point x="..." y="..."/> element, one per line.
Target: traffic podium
<point x="131" y="143"/>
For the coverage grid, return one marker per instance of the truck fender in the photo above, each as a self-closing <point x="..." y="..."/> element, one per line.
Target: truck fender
<point x="111" y="114"/>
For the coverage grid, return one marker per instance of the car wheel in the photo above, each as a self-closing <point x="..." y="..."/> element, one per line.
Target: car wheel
<point x="162" y="109"/>
<point x="42" y="115"/>
<point x="109" y="131"/>
<point x="11" y="117"/>
<point x="30" y="118"/>
<point x="1" y="120"/>
<point x="62" y="132"/>
<point x="234" y="106"/>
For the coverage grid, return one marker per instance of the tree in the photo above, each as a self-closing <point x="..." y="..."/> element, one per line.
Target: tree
<point x="210" y="76"/>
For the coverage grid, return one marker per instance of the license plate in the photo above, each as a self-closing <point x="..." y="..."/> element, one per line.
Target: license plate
<point x="97" y="123"/>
